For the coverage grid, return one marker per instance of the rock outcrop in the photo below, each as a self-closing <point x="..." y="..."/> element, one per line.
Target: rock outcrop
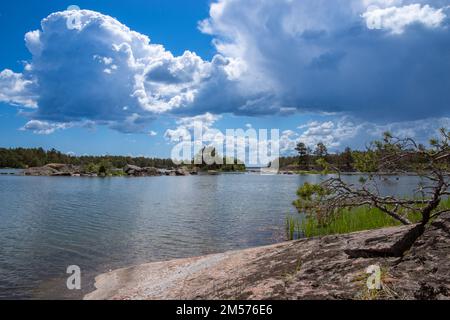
<point x="332" y="267"/>
<point x="136" y="171"/>
<point x="132" y="170"/>
<point x="53" y="169"/>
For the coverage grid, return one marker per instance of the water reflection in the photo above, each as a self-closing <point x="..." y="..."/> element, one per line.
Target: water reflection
<point x="48" y="223"/>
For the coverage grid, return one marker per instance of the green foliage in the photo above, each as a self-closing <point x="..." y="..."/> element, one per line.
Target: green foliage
<point x="346" y="159"/>
<point x="321" y="150"/>
<point x="105" y="167"/>
<point x="308" y="163"/>
<point x="23" y="158"/>
<point x="308" y="196"/>
<point x="335" y="206"/>
<point x="308" y="191"/>
<point x="303" y="154"/>
<point x="102" y="165"/>
<point x="302" y="149"/>
<point x="117" y="173"/>
<point x="323" y="165"/>
<point x="209" y="159"/>
<point x="91" y="168"/>
<point x="345" y="221"/>
<point x="293" y="228"/>
<point x="366" y="161"/>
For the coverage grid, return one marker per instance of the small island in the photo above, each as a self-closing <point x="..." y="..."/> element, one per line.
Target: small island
<point x="53" y="163"/>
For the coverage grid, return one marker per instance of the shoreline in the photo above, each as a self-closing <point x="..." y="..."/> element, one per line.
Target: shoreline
<point x="64" y="170"/>
<point x="182" y="172"/>
<point x="330" y="267"/>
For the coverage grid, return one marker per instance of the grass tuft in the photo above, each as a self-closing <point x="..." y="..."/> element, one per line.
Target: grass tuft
<point x="346" y="221"/>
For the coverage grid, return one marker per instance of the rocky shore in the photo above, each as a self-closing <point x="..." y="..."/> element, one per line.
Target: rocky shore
<point x="332" y="267"/>
<point x="64" y="170"/>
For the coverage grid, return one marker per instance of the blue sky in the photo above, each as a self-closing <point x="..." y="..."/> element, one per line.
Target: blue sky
<point x="173" y="23"/>
<point x="340" y="73"/>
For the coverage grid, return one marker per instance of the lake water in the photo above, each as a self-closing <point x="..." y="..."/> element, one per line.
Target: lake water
<point x="47" y="224"/>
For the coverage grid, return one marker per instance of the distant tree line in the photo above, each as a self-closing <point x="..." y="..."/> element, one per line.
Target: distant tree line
<point x="25" y="158"/>
<point x="306" y="160"/>
<point x="347" y="161"/>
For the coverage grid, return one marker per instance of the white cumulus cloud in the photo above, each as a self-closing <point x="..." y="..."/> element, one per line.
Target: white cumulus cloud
<point x="342" y="132"/>
<point x="396" y="19"/>
<point x="43" y="127"/>
<point x="15" y="89"/>
<point x="187" y="126"/>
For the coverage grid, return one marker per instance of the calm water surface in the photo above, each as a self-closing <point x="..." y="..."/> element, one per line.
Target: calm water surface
<point x="47" y="224"/>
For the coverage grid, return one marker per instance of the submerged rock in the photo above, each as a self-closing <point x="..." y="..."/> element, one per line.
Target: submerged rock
<point x="317" y="268"/>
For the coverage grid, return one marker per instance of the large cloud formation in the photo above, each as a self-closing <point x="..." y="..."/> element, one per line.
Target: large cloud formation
<point x="383" y="60"/>
<point x="89" y="67"/>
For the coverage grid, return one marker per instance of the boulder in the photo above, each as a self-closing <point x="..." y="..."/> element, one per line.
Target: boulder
<point x="132" y="170"/>
<point x="163" y="172"/>
<point x="56" y="166"/>
<point x="151" y="171"/>
<point x="168" y="172"/>
<point x="39" y="171"/>
<point x="182" y="172"/>
<point x="53" y="169"/>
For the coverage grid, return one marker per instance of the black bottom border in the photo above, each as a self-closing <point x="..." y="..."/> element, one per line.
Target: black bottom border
<point x="227" y="309"/>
